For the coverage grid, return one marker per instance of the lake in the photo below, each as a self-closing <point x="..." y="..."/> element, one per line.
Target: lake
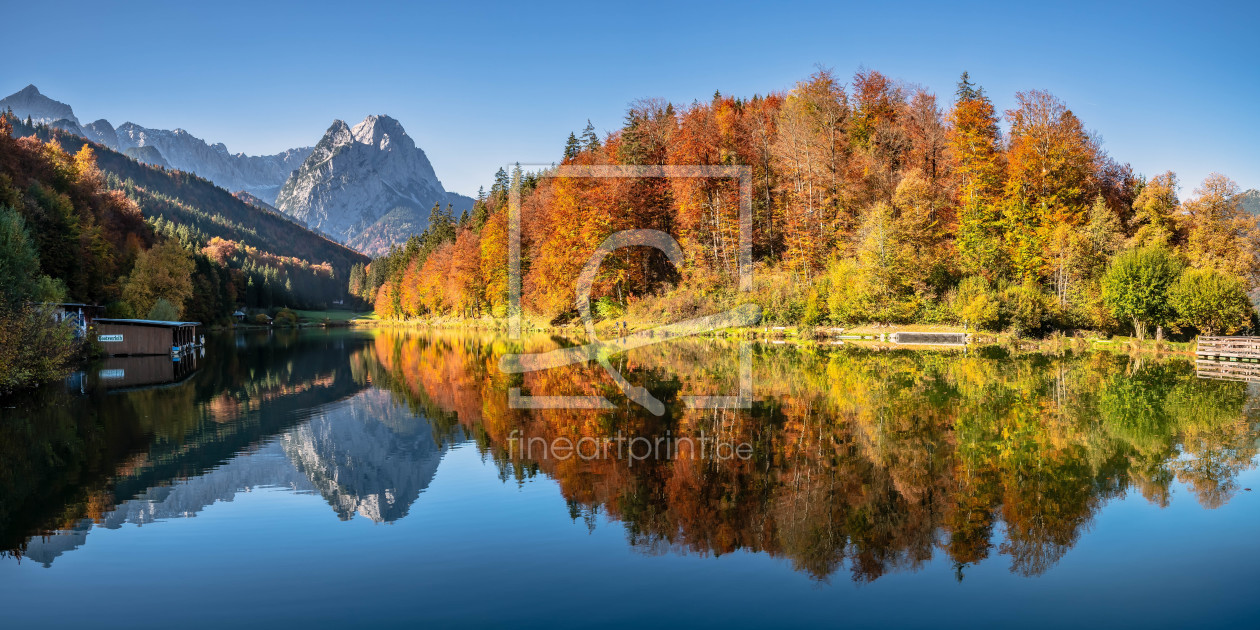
<point x="387" y="477"/>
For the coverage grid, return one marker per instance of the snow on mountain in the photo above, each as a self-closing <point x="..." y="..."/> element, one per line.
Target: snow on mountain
<point x="357" y="177"/>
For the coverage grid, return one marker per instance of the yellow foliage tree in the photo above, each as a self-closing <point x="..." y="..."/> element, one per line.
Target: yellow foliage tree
<point x="164" y="271"/>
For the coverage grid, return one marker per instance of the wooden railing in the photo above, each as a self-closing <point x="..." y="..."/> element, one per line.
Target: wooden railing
<point x="1236" y="348"/>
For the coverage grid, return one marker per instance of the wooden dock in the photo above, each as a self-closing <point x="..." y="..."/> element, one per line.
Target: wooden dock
<point x="1229" y="348"/>
<point x="929" y="338"/>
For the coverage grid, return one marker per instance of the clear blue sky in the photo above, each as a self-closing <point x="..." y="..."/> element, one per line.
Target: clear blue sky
<point x="1168" y="86"/>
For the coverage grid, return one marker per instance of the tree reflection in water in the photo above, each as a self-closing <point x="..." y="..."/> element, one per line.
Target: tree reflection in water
<point x="864" y="461"/>
<point x="874" y="460"/>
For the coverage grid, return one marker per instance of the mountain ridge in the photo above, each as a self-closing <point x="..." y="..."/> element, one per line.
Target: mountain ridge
<point x="367" y="187"/>
<point x="261" y="175"/>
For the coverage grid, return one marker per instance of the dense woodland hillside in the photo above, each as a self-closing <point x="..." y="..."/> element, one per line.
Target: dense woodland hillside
<point x="82" y="223"/>
<point x="874" y="201"/>
<point x="209" y="211"/>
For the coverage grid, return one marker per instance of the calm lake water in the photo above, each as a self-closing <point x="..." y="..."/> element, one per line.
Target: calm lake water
<point x="335" y="478"/>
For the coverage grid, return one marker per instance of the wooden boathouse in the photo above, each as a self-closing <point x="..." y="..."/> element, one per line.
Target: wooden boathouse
<point x="133" y="337"/>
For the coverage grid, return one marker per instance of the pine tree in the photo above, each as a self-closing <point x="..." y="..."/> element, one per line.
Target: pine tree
<point x="967" y="91"/>
<point x="499" y="190"/>
<point x="590" y="140"/>
<point x="978" y="163"/>
<point x="571" y="147"/>
<point x="481" y="211"/>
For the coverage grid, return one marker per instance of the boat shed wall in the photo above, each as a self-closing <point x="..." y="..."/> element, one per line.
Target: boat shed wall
<point x="142" y="337"/>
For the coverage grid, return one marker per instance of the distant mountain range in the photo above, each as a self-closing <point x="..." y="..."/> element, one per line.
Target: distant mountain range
<point x="259" y="175"/>
<point x="205" y="211"/>
<point x="368" y="187"/>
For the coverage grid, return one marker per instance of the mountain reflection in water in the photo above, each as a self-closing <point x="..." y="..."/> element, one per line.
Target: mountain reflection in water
<point x="864" y="461"/>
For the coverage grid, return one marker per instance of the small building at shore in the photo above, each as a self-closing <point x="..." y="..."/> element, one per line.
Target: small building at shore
<point x="79" y="315"/>
<point x="133" y="337"/>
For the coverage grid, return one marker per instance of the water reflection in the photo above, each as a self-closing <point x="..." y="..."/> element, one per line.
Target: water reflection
<point x="265" y="411"/>
<point x="367" y="455"/>
<point x="865" y="462"/>
<point x="144" y="371"/>
<point x="869" y="461"/>
<point x="264" y="467"/>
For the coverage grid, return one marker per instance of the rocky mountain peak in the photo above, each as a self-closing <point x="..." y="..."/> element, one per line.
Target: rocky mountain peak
<point x="370" y="179"/>
<point x="28" y="101"/>
<point x="101" y="132"/>
<point x="381" y="131"/>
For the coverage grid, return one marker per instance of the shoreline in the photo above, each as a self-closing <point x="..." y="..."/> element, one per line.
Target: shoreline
<point x="862" y="336"/>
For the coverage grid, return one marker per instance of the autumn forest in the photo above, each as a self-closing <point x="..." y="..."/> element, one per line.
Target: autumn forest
<point x="874" y="201"/>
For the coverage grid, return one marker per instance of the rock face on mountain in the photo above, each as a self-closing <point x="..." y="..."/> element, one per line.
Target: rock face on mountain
<point x="101" y="132"/>
<point x="358" y="177"/>
<point x="147" y="155"/>
<point x="261" y="175"/>
<point x="42" y="110"/>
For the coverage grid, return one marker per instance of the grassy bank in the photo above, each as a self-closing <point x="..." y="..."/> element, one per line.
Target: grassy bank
<point x="339" y="316"/>
<point x="869" y="334"/>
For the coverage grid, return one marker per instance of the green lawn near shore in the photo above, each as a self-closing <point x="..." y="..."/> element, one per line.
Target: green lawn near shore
<point x="334" y="315"/>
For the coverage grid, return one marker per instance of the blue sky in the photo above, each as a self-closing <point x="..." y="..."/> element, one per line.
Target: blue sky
<point x="1167" y="86"/>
